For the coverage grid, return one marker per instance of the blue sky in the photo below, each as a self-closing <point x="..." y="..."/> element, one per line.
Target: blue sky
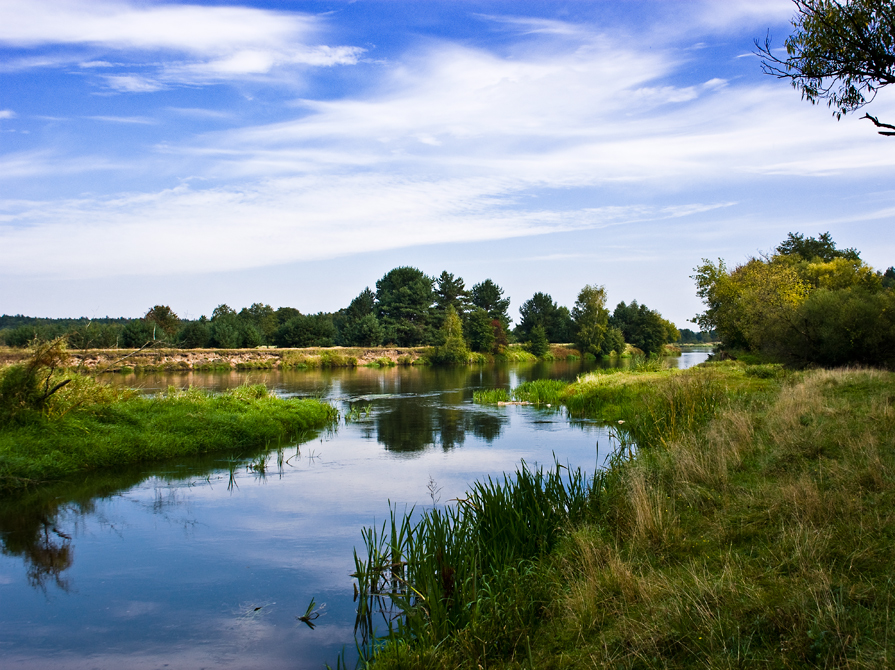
<point x="291" y="153"/>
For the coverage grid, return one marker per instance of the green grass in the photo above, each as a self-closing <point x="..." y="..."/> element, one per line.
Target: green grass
<point x="491" y="396"/>
<point x="89" y="426"/>
<point x="754" y="526"/>
<point x="540" y="391"/>
<point x="515" y="354"/>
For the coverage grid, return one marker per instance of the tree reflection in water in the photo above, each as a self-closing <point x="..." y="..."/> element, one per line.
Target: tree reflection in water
<point x="413" y="426"/>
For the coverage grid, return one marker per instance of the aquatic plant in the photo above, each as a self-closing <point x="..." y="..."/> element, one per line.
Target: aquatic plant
<point x="454" y="567"/>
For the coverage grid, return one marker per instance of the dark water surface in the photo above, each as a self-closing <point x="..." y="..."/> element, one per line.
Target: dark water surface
<point x="206" y="563"/>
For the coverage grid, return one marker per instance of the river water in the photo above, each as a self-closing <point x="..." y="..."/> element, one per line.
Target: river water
<point x="206" y="563"/>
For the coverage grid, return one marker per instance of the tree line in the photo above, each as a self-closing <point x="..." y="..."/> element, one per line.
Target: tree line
<point x="407" y="308"/>
<point x="808" y="303"/>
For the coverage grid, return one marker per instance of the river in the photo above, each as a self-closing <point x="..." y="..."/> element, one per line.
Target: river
<point x="206" y="563"/>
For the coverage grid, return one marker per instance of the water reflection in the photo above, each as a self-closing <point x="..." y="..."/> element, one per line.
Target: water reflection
<point x="414" y="425"/>
<point x="40" y="526"/>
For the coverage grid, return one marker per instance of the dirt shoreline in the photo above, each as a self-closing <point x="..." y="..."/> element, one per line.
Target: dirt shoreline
<point x="129" y="360"/>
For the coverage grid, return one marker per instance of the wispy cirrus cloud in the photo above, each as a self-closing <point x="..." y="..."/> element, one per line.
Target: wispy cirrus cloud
<point x="209" y="43"/>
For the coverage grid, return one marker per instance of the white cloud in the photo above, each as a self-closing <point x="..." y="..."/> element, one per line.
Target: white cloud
<point x="7" y="114"/>
<point x="738" y="14"/>
<point x="278" y="221"/>
<point x="139" y="120"/>
<point x="213" y="43"/>
<point x="129" y="25"/>
<point x="453" y="144"/>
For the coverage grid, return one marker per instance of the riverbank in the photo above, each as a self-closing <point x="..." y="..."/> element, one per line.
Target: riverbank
<point x="158" y="359"/>
<point x="753" y="525"/>
<point x="88" y="426"/>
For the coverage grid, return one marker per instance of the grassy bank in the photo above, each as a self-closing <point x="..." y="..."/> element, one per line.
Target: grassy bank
<point x="754" y="526"/>
<point x="88" y="426"/>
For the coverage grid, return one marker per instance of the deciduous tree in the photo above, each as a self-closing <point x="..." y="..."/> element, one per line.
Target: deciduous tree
<point x="591" y="319"/>
<point x="841" y="52"/>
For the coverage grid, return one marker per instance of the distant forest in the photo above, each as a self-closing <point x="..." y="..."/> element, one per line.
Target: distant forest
<point x="408" y="308"/>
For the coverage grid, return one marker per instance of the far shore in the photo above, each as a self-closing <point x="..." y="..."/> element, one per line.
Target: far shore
<point x="172" y="359"/>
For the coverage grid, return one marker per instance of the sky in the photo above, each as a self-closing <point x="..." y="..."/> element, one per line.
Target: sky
<point x="292" y="153"/>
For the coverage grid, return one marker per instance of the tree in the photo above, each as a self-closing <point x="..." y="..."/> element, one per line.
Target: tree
<point x="542" y="311"/>
<point x="643" y="327"/>
<point x="591" y="319"/>
<point x="404" y="297"/>
<point x="538" y="343"/>
<point x="195" y="334"/>
<point x="263" y="318"/>
<point x="361" y="327"/>
<point x="450" y="291"/>
<point x="784" y="307"/>
<point x="164" y="318"/>
<point x="452" y="348"/>
<point x="613" y="342"/>
<point x="489" y="296"/>
<point x="888" y="277"/>
<point x="810" y="249"/>
<point x="136" y="333"/>
<point x="363" y="332"/>
<point x="307" y="330"/>
<point x="841" y="52"/>
<point x="480" y="330"/>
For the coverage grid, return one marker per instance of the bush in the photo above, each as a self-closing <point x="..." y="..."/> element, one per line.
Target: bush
<point x="25" y="389"/>
<point x="842" y="327"/>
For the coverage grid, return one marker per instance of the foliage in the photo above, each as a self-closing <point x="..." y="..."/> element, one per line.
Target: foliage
<point x="591" y="319"/>
<point x="27" y="388"/>
<point x="538" y="345"/>
<point x="489" y="296"/>
<point x="137" y="333"/>
<point x="363" y="332"/>
<point x="888" y="278"/>
<point x="361" y="327"/>
<point x="643" y="327"/>
<point x="262" y="318"/>
<point x="96" y="335"/>
<point x="541" y="310"/>
<point x="798" y="309"/>
<point x="450" y="291"/>
<point x="311" y="330"/>
<point x="840" y="327"/>
<point x="613" y="342"/>
<point x="480" y="330"/>
<point x="404" y="296"/>
<point x="841" y="52"/>
<point x="810" y="249"/>
<point x="164" y="318"/>
<point x="451" y="349"/>
<point x="688" y="336"/>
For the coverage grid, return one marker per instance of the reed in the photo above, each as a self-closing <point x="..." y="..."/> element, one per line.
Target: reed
<point x="540" y="391"/>
<point x="459" y="567"/>
<point x="490" y="396"/>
